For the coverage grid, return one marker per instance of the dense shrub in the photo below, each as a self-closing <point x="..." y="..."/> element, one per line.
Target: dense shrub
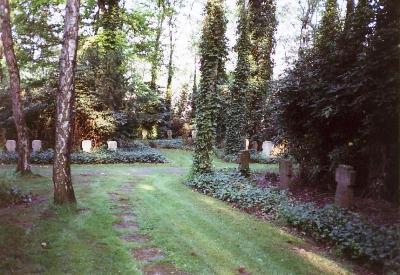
<point x="171" y="144"/>
<point x="128" y="155"/>
<point x="345" y="229"/>
<point x="255" y="157"/>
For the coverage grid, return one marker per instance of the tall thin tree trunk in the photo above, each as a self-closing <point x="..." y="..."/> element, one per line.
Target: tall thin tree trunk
<point x="63" y="189"/>
<point x="15" y="87"/>
<point x="168" y="97"/>
<point x="156" y="54"/>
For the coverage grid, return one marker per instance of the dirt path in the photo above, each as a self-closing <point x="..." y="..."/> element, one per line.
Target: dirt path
<point x="151" y="257"/>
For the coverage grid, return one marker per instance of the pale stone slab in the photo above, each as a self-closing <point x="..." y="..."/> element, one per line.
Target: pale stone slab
<point x="145" y="133"/>
<point x="246" y="144"/>
<point x="169" y="134"/>
<point x="345" y="177"/>
<point x="87" y="146"/>
<point x="194" y="134"/>
<point x="11" y="146"/>
<point x="36" y="145"/>
<point x="267" y="147"/>
<point x="285" y="174"/>
<point x="112" y="145"/>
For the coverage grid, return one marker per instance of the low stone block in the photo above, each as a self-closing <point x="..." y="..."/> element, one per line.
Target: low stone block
<point x="246" y="144"/>
<point x="267" y="147"/>
<point x="145" y="133"/>
<point x="345" y="177"/>
<point x="285" y="174"/>
<point x="244" y="162"/>
<point x="169" y="134"/>
<point x="194" y="134"/>
<point x="112" y="145"/>
<point x="36" y="145"/>
<point x="11" y="146"/>
<point x="87" y="146"/>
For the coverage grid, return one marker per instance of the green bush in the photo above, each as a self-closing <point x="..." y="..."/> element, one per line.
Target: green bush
<point x="345" y="229"/>
<point x="170" y="144"/>
<point x="125" y="155"/>
<point x="255" y="157"/>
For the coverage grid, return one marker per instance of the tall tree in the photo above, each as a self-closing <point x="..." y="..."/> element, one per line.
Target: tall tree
<point x="236" y="120"/>
<point x="262" y="28"/>
<point x="156" y="56"/>
<point x="212" y="65"/>
<point x="63" y="189"/>
<point x="15" y="88"/>
<point x="172" y="10"/>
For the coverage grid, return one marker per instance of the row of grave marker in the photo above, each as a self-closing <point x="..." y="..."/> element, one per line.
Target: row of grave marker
<point x="11" y="146"/>
<point x="345" y="177"/>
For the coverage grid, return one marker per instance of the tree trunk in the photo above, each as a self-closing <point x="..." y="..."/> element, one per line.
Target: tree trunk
<point x="168" y="98"/>
<point x="63" y="189"/>
<point x="155" y="62"/>
<point x="15" y="88"/>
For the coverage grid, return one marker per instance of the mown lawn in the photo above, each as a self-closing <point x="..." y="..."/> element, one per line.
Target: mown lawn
<point x="200" y="235"/>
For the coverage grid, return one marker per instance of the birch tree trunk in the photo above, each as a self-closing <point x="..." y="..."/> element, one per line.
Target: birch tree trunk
<point x="15" y="88"/>
<point x="63" y="189"/>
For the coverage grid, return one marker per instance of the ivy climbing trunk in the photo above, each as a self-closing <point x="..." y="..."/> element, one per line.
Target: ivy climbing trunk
<point x="63" y="189"/>
<point x="212" y="66"/>
<point x="15" y="88"/>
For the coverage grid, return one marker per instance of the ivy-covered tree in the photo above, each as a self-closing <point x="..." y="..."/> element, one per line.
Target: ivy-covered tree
<point x="212" y="67"/>
<point x="339" y="102"/>
<point x="262" y="28"/>
<point x="236" y="115"/>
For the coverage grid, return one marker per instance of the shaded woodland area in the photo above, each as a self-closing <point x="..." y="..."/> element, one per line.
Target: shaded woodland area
<point x="107" y="82"/>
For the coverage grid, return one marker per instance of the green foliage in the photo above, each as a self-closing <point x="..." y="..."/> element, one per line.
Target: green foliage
<point x="124" y="155"/>
<point x="262" y="27"/>
<point x="255" y="157"/>
<point x="236" y="115"/>
<point x="213" y="54"/>
<point x="345" y="229"/>
<point x="339" y="102"/>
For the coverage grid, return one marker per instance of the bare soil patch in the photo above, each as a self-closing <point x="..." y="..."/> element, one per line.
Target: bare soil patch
<point x="149" y="254"/>
<point x="162" y="269"/>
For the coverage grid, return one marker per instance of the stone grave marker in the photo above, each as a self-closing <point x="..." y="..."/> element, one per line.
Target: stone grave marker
<point x="345" y="177"/>
<point x="194" y="134"/>
<point x="87" y="146"/>
<point x="244" y="162"/>
<point x="267" y="148"/>
<point x="169" y="134"/>
<point x="36" y="145"/>
<point x="246" y="144"/>
<point x="145" y="133"/>
<point x="285" y="174"/>
<point x="11" y="146"/>
<point x="112" y="145"/>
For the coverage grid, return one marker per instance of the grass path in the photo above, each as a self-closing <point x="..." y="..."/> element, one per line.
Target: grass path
<point x="197" y="234"/>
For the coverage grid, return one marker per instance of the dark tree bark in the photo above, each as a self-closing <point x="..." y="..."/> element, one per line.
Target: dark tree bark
<point x="15" y="88"/>
<point x="63" y="189"/>
<point x="155" y="62"/>
<point x="168" y="98"/>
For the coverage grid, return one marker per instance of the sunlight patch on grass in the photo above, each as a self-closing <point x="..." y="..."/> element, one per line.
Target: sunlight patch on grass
<point x="321" y="262"/>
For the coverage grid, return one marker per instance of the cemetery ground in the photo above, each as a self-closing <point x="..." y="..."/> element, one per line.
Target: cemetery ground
<point x="142" y="218"/>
